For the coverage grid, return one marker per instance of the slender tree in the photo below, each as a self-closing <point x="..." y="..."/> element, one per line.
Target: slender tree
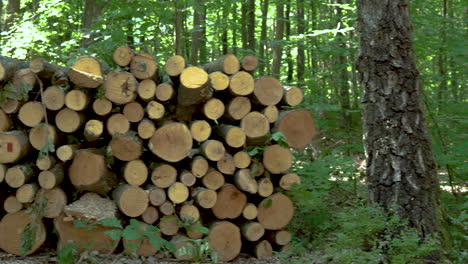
<point x="251" y="26"/>
<point x="203" y="58"/>
<point x="341" y="68"/>
<point x="401" y="171"/>
<point x="263" y="37"/>
<point x="287" y="32"/>
<point x="91" y="13"/>
<point x="196" y="31"/>
<point x="178" y="28"/>
<point x="300" y="44"/>
<point x="277" y="46"/>
<point x="442" y="58"/>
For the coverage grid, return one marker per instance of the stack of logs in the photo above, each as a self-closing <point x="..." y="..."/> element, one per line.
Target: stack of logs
<point x="166" y="146"/>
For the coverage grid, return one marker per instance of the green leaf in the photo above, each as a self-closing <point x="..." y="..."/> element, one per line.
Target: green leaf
<point x="111" y="222"/>
<point x="268" y="203"/>
<point x="114" y="234"/>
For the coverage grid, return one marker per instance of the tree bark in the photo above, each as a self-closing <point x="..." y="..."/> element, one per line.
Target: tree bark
<point x="91" y="13"/>
<point x="251" y="26"/>
<point x="178" y="28"/>
<point x="196" y="31"/>
<point x="400" y="165"/>
<point x="278" y="47"/>
<point x="300" y="44"/>
<point x="263" y="37"/>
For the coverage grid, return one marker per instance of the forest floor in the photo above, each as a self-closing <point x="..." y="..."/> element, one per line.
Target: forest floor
<point x="50" y="258"/>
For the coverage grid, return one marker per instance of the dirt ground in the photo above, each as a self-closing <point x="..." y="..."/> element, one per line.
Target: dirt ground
<point x="46" y="258"/>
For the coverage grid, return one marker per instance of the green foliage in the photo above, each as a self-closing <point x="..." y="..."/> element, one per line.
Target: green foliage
<point x="67" y="254"/>
<point x="28" y="236"/>
<point x="29" y="233"/>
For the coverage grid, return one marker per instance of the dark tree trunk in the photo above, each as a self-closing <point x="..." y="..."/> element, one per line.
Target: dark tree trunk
<point x="224" y="37"/>
<point x="442" y="58"/>
<point x="300" y="44"/>
<point x="287" y="32"/>
<point x="244" y="24"/>
<point x="278" y="47"/>
<point x="91" y="13"/>
<point x="400" y="166"/>
<point x="251" y="27"/>
<point x="342" y="69"/>
<point x="12" y="12"/>
<point x="263" y="38"/>
<point x="202" y="47"/>
<point x="234" y="28"/>
<point x="178" y="28"/>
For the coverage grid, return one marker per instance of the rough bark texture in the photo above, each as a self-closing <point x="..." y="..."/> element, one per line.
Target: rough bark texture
<point x="400" y="164"/>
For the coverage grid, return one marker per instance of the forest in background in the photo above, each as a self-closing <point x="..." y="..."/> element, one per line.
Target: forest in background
<point x="311" y="44"/>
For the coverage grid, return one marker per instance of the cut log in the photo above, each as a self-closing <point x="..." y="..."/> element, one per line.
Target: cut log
<point x="9" y="66"/>
<point x="281" y="237"/>
<point x="135" y="172"/>
<point x="14" y="225"/>
<point x="27" y="192"/>
<point x="117" y="124"/>
<point x="178" y="193"/>
<point x="265" y="187"/>
<point x="205" y="198"/>
<point x="91" y="207"/>
<point x="252" y="231"/>
<point x="255" y="126"/>
<point x="242" y="159"/>
<point x="143" y="66"/>
<point x="120" y="87"/>
<point x="43" y="135"/>
<point x="122" y="56"/>
<point x="225" y="239"/>
<point x="175" y="65"/>
<point x="199" y="166"/>
<point x="49" y="179"/>
<point x="42" y="68"/>
<point x="5" y="121"/>
<point x="233" y="136"/>
<point x="157" y="196"/>
<point x="256" y="168"/>
<point x="102" y="106"/>
<point x="140" y="246"/>
<point x="14" y="145"/>
<point x="212" y="150"/>
<point x="84" y="238"/>
<point x="228" y="64"/>
<point x="292" y="96"/>
<point x="134" y="112"/>
<point x="150" y="215"/>
<point x="31" y="114"/>
<point x="77" y="100"/>
<point x="288" y="179"/>
<point x="275" y="212"/>
<point x="219" y="81"/>
<point x="61" y="77"/>
<point x="146" y="129"/>
<point x="46" y="162"/>
<point x="3" y="169"/>
<point x="185" y="248"/>
<point x="67" y="152"/>
<point x="189" y="213"/>
<point x="155" y="110"/>
<point x="172" y="142"/>
<point x="19" y="175"/>
<point x="249" y="63"/>
<point x="268" y="91"/>
<point x="164" y="92"/>
<point x="69" y="121"/>
<point x="263" y="250"/>
<point x="194" y="88"/>
<point x="168" y="225"/>
<point x="229" y="202"/>
<point x="146" y="90"/>
<point x="88" y="172"/>
<point x="193" y="233"/>
<point x="241" y="84"/>
<point x="226" y="165"/>
<point x="277" y="159"/>
<point x="213" y="180"/>
<point x="297" y="126"/>
<point x="24" y="80"/>
<point x="167" y="208"/>
<point x="55" y="198"/>
<point x="131" y="200"/>
<point x="126" y="147"/>
<point x="87" y="72"/>
<point x="11" y="205"/>
<point x="200" y="130"/>
<point x="164" y="175"/>
<point x="93" y="130"/>
<point x="286" y="248"/>
<point x="187" y="178"/>
<point x="250" y="211"/>
<point x="237" y="108"/>
<point x="245" y="181"/>
<point x="271" y="112"/>
<point x="11" y="106"/>
<point x="213" y="109"/>
<point x="54" y="98"/>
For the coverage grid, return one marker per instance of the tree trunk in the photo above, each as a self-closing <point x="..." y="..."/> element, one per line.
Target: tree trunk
<point x="251" y="26"/>
<point x="263" y="37"/>
<point x="300" y="44"/>
<point x="91" y="13"/>
<point x="178" y="28"/>
<point x="442" y="58"/>
<point x="278" y="47"/>
<point x="196" y="31"/>
<point x="400" y="164"/>
<point x="343" y="72"/>
<point x="287" y="32"/>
